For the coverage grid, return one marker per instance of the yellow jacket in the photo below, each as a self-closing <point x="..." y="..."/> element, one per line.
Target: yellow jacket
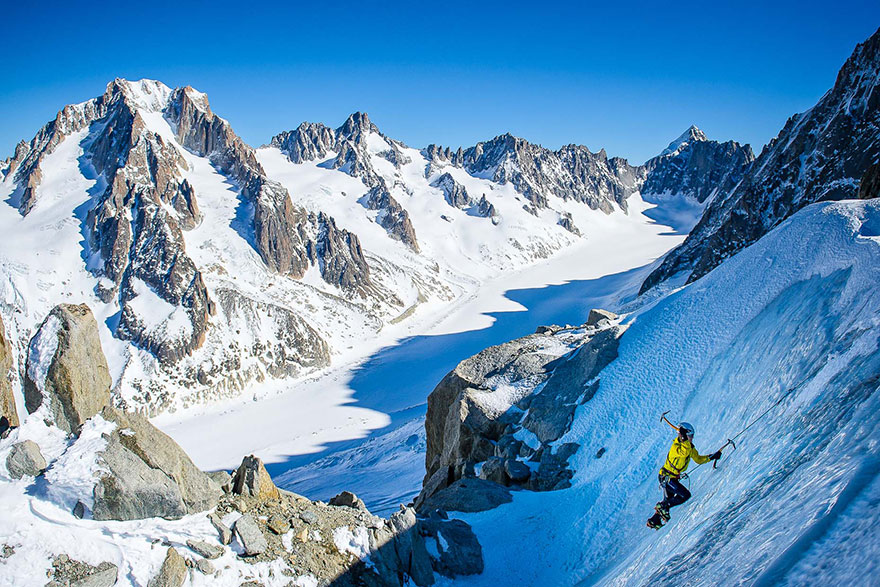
<point x="680" y="454"/>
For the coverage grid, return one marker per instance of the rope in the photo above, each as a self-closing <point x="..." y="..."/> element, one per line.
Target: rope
<point x="755" y="421"/>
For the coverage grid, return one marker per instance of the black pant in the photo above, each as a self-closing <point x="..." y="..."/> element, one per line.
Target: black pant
<point x="674" y="492"/>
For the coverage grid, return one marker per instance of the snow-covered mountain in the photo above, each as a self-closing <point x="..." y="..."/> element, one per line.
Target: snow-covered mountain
<point x="212" y="265"/>
<point x="827" y="153"/>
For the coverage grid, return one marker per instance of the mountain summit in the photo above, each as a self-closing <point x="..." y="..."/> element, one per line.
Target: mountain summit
<point x="691" y="135"/>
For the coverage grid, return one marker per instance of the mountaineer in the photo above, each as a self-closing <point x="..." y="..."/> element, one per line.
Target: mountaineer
<point x="680" y="454"/>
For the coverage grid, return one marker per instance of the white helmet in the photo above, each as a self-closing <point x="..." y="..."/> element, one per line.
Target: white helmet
<point x="686" y="429"/>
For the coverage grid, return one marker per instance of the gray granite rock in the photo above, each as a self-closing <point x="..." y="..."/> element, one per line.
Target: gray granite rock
<point x="250" y="536"/>
<point x="25" y="458"/>
<point x="172" y="573"/>
<point x="66" y="368"/>
<point x="205" y="549"/>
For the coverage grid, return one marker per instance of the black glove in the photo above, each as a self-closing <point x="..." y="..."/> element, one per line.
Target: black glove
<point x="715" y="456"/>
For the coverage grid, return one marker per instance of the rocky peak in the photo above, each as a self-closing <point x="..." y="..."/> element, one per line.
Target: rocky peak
<point x="150" y="95"/>
<point x="821" y="154"/>
<point x="698" y="169"/>
<point x="690" y="136"/>
<point x="356" y="126"/>
<point x="308" y="142"/>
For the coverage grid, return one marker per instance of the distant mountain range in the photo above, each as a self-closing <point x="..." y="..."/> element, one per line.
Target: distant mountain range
<point x="213" y="264"/>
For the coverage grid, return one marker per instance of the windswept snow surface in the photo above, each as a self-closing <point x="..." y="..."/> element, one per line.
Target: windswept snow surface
<point x="799" y="500"/>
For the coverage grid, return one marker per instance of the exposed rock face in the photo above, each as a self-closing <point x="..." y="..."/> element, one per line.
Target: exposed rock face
<point x="475" y="430"/>
<point x="392" y="217"/>
<point x="66" y="368"/>
<point x="696" y="167"/>
<point x="312" y="141"/>
<point x="573" y="172"/>
<point x="343" y="263"/>
<point x="485" y="209"/>
<point x="7" y="399"/>
<point x="567" y="223"/>
<point x="148" y="474"/>
<point x="455" y="194"/>
<point x="143" y="203"/>
<point x="821" y="154"/>
<point x="25" y="458"/>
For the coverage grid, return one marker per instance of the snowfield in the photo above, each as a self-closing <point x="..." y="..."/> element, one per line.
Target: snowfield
<point x="798" y="313"/>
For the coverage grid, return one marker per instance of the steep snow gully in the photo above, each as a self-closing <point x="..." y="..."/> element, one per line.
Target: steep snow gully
<point x="798" y="500"/>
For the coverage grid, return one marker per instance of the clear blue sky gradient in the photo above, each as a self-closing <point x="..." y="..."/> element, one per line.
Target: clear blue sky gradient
<point x="627" y="77"/>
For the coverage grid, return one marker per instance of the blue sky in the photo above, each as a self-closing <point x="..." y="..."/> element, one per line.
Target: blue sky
<point x="627" y="77"/>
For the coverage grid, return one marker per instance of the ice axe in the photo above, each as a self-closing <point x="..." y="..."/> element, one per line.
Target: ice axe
<point x="663" y="418"/>
<point x="729" y="442"/>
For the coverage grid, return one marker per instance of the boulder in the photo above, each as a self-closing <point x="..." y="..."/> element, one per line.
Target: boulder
<point x="278" y="524"/>
<point x="205" y="549"/>
<point x="464" y="421"/>
<point x="348" y="499"/>
<point x="205" y="567"/>
<point x="309" y="517"/>
<point x="249" y="535"/>
<point x="454" y="540"/>
<point x="25" y="459"/>
<point x="596" y="315"/>
<point x="105" y="575"/>
<point x="7" y="399"/>
<point x="222" y="529"/>
<point x="551" y="410"/>
<point x="517" y="471"/>
<point x="493" y="470"/>
<point x="148" y="474"/>
<point x="172" y="573"/>
<point x="252" y="480"/>
<point x="66" y="368"/>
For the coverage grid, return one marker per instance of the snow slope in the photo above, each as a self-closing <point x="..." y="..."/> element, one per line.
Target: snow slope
<point x="797" y="502"/>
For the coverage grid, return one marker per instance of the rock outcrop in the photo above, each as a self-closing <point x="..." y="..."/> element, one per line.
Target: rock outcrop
<point x="146" y="474"/>
<point x="571" y="173"/>
<point x="252" y="480"/>
<point x="7" y="399"/>
<point x="342" y="543"/>
<point x="391" y="215"/>
<point x="454" y="193"/>
<point x="487" y="427"/>
<point x="819" y="155"/>
<point x="67" y="372"/>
